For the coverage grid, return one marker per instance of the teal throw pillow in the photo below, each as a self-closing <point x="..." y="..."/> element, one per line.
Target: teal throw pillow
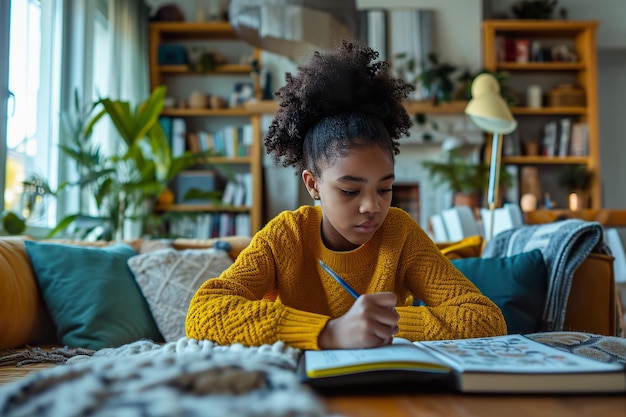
<point x="517" y="284"/>
<point x="91" y="294"/>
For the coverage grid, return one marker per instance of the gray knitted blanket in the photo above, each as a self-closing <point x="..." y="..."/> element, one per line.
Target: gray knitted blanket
<point x="183" y="378"/>
<point x="564" y="245"/>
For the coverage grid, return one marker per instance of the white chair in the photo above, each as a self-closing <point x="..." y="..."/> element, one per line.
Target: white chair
<point x="505" y="218"/>
<point x="460" y="223"/>
<point x="440" y="234"/>
<point x="614" y="242"/>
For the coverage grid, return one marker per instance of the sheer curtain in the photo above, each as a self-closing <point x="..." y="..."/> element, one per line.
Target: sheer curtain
<point x="129" y="73"/>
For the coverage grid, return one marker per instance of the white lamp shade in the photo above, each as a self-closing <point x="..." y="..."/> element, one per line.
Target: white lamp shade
<point x="294" y="28"/>
<point x="487" y="109"/>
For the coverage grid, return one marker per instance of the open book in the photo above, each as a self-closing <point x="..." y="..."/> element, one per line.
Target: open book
<point x="504" y="364"/>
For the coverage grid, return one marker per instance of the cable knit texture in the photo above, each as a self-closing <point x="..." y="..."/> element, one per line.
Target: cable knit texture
<point x="276" y="289"/>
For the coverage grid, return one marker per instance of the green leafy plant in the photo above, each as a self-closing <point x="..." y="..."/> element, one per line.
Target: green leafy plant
<point x="126" y="184"/>
<point x="462" y="176"/>
<point x="436" y="79"/>
<point x="575" y="178"/>
<point x="12" y="223"/>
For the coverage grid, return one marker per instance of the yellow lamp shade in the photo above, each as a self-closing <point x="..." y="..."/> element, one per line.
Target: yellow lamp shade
<point x="487" y="109"/>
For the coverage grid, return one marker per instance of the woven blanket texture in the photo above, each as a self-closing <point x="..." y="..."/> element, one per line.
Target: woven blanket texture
<point x="181" y="378"/>
<point x="564" y="245"/>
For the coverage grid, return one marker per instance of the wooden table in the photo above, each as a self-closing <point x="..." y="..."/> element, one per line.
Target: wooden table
<point x="451" y="405"/>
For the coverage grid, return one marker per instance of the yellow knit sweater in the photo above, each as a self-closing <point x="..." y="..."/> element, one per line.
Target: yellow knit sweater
<point x="276" y="289"/>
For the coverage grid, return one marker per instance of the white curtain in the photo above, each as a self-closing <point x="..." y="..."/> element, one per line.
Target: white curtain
<point x="129" y="71"/>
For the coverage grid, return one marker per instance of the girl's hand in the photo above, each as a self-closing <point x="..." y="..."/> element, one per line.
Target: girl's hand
<point x="371" y="321"/>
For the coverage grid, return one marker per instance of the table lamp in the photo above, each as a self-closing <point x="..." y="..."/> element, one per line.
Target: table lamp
<point x="294" y="28"/>
<point x="488" y="110"/>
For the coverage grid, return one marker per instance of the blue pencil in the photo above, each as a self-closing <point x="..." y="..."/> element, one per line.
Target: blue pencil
<point x="337" y="278"/>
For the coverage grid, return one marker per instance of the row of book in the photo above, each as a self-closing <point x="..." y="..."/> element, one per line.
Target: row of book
<point x="238" y="191"/>
<point x="565" y="138"/>
<point x="211" y="225"/>
<point x="230" y="141"/>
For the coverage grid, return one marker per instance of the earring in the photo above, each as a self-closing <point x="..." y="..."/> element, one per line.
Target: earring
<point x="316" y="197"/>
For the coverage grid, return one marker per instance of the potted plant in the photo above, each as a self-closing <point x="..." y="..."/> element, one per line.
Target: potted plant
<point x="465" y="179"/>
<point x="125" y="185"/>
<point x="576" y="179"/>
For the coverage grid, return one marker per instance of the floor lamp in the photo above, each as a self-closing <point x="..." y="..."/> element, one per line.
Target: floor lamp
<point x="488" y="110"/>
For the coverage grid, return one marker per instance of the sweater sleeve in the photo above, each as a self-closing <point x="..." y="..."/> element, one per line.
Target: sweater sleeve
<point x="453" y="307"/>
<point x="231" y="308"/>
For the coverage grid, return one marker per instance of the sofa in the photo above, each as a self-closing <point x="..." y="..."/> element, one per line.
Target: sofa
<point x="150" y="369"/>
<point x="27" y="319"/>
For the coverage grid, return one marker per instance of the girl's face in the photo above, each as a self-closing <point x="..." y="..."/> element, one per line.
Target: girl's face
<point x="355" y="195"/>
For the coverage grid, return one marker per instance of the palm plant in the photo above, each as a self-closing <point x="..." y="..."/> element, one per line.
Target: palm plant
<point x="125" y="185"/>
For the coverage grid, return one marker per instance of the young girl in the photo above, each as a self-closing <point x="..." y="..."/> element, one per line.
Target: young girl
<point x="339" y="122"/>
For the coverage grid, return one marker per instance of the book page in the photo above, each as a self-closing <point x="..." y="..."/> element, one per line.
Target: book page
<point x="512" y="353"/>
<point x="398" y="355"/>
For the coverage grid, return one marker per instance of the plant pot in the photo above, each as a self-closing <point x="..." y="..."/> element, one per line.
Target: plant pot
<point x="466" y="199"/>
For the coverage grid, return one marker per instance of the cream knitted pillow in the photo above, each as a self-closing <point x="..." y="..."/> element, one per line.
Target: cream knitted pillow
<point x="169" y="278"/>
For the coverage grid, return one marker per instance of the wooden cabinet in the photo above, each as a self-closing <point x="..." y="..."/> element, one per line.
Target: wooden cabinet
<point x="553" y="55"/>
<point x="182" y="81"/>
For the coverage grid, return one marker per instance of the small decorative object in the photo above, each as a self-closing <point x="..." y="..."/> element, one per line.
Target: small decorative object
<point x="172" y="55"/>
<point x="168" y="13"/>
<point x="200" y="13"/>
<point x="522" y="50"/>
<point x="566" y="95"/>
<point x="534" y="96"/>
<point x="534" y="9"/>
<point x="218" y="102"/>
<point x="574" y="202"/>
<point x="242" y="93"/>
<point x="169" y="102"/>
<point x="198" y="100"/>
<point x="531" y="148"/>
<point x="528" y="202"/>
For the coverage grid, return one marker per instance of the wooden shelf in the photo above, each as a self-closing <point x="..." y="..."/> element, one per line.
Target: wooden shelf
<point x="520" y="111"/>
<point x="226" y="69"/>
<point x="607" y="217"/>
<point x="193" y="30"/>
<point x="412" y="107"/>
<point x="579" y="37"/>
<point x="180" y="80"/>
<point x="226" y="160"/>
<point x="183" y="208"/>
<point x="541" y="66"/>
<point x="545" y="160"/>
<point x="231" y="111"/>
<point x="427" y="107"/>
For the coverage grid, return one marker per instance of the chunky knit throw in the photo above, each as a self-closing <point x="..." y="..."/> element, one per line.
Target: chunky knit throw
<point x="182" y="378"/>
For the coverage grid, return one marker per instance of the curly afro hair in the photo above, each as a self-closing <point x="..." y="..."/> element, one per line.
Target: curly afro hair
<point x="338" y="101"/>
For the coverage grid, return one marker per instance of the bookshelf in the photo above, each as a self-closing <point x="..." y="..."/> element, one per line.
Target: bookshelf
<point x="181" y="79"/>
<point x="547" y="65"/>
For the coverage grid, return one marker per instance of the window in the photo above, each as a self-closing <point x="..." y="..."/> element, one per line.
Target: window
<point x="26" y="140"/>
<point x="44" y="70"/>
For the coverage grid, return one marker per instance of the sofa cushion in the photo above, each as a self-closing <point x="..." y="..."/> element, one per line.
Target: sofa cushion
<point x="517" y="285"/>
<point x="169" y="278"/>
<point x="91" y="294"/>
<point x="469" y="247"/>
<point x="24" y="318"/>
